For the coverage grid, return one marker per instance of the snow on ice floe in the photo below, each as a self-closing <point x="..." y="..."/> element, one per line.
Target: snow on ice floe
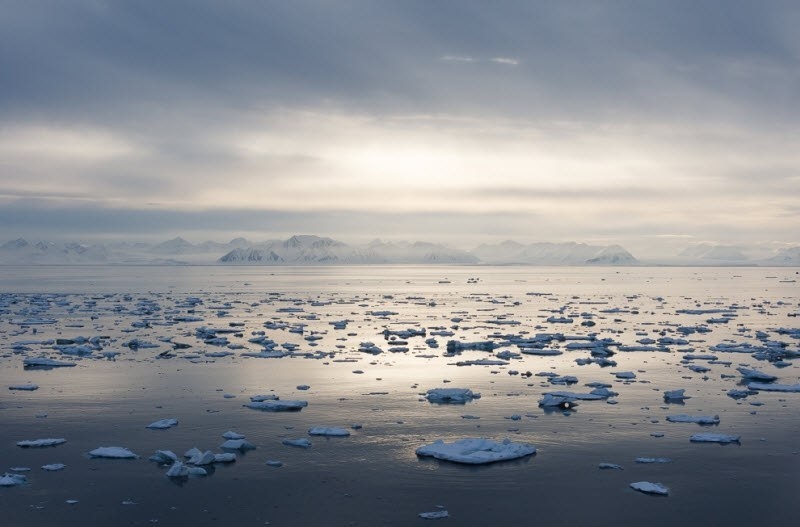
<point x="451" y="395"/>
<point x="650" y="488"/>
<point x="53" y="467"/>
<point x="112" y="452"/>
<point x="278" y="405"/>
<point x="434" y="515"/>
<point x="609" y="466"/>
<point x="233" y="435"/>
<point x="651" y="460"/>
<point x="164" y="457"/>
<point x="24" y="387"/>
<point x="699" y="419"/>
<point x="476" y="451"/>
<point x="760" y="386"/>
<point x="674" y="396"/>
<point x="714" y="438"/>
<point x="328" y="431"/>
<point x="38" y="443"/>
<point x="756" y="375"/>
<point x="238" y="444"/>
<point x="163" y="424"/>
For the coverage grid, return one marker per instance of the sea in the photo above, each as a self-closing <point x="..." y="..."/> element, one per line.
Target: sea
<point x="363" y="348"/>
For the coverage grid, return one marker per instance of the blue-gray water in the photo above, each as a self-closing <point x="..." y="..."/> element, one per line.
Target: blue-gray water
<point x="374" y="477"/>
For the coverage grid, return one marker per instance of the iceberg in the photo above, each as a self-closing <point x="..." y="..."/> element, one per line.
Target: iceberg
<point x="323" y="431"/>
<point x="609" y="466"/>
<point x="476" y="451"/>
<point x="278" y="406"/>
<point x="38" y="443"/>
<point x="54" y="467"/>
<point x="113" y="452"/>
<point x="11" y="480"/>
<point x="24" y="387"/>
<point x="178" y="470"/>
<point x="434" y="515"/>
<point x="302" y="442"/>
<point x="650" y="488"/>
<point x="671" y="396"/>
<point x="163" y="424"/>
<point x="232" y="435"/>
<point x="451" y="395"/>
<point x="699" y="419"/>
<point x="238" y="444"/>
<point x="756" y="375"/>
<point x="714" y="438"/>
<point x="649" y="460"/>
<point x="44" y="362"/>
<point x="164" y="457"/>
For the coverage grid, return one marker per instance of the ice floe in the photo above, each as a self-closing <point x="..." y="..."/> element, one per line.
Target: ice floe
<point x="54" y="467"/>
<point x="278" y="406"/>
<point x="12" y="480"/>
<point x="328" y="431"/>
<point x="476" y="451"/>
<point x="650" y="488"/>
<point x="760" y="386"/>
<point x="302" y="442"/>
<point x="451" y="395"/>
<point x="38" y="443"/>
<point x="24" y="387"/>
<point x="163" y="424"/>
<point x="699" y="419"/>
<point x="112" y="452"/>
<point x="714" y="438"/>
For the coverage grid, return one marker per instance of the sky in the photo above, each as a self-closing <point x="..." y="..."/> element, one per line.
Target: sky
<point x="651" y="124"/>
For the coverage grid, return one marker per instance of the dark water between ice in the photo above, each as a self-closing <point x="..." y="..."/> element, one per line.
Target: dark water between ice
<point x="374" y="477"/>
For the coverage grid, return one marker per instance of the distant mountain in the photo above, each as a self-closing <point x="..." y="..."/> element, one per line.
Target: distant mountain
<point x="315" y="250"/>
<point x="569" y="253"/>
<point x="785" y="257"/>
<point x="707" y="251"/>
<point x="22" y="252"/>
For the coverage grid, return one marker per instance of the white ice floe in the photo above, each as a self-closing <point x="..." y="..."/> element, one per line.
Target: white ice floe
<point x="225" y="457"/>
<point x="178" y="470"/>
<point x="274" y="463"/>
<point x="164" y="457"/>
<point x="265" y="397"/>
<point x="232" y="435"/>
<point x="649" y="460"/>
<point x="44" y="362"/>
<point x="451" y="395"/>
<point x="476" y="451"/>
<point x="675" y="395"/>
<point x="609" y="466"/>
<point x="24" y="387"/>
<point x="625" y="375"/>
<point x="699" y="419"/>
<point x="278" y="406"/>
<point x="434" y="515"/>
<point x="650" y="488"/>
<point x="760" y="386"/>
<point x="113" y="452"/>
<point x="714" y="438"/>
<point x="38" y="443"/>
<point x="756" y="375"/>
<point x="302" y="442"/>
<point x="52" y="467"/>
<point x="11" y="480"/>
<point x="238" y="444"/>
<point x="163" y="424"/>
<point x="197" y="457"/>
<point x="328" y="431"/>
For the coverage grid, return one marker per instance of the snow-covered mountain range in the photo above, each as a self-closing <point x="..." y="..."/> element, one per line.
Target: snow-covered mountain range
<point x="316" y="250"/>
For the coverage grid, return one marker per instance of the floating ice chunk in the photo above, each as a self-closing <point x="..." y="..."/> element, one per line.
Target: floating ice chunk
<point x="649" y="460"/>
<point x="328" y="431"/>
<point x="197" y="471"/>
<point x="24" y="387"/>
<point x="278" y="406"/>
<point x="625" y="375"/>
<point x="303" y="387"/>
<point x="434" y="515"/>
<point x="226" y="457"/>
<point x="552" y="401"/>
<point x="274" y="463"/>
<point x="38" y="443"/>
<point x="11" y="480"/>
<point x="197" y="457"/>
<point x="476" y="451"/>
<point x="714" y="438"/>
<point x="675" y="395"/>
<point x="302" y="442"/>
<point x="164" y="457"/>
<point x="451" y="395"/>
<point x="163" y="424"/>
<point x="609" y="466"/>
<point x="238" y="444"/>
<point x="232" y="435"/>
<point x="650" y="488"/>
<point x="699" y="419"/>
<point x="262" y="398"/>
<point x="178" y="470"/>
<point x="113" y="452"/>
<point x="44" y="362"/>
<point x="756" y="375"/>
<point x="774" y="387"/>
<point x="54" y="467"/>
<point x="740" y="394"/>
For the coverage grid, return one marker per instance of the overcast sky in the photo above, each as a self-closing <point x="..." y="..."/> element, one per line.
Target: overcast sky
<point x="644" y="123"/>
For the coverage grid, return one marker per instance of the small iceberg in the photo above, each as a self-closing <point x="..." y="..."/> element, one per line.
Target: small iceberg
<point x="112" y="452"/>
<point x="24" y="387"/>
<point x="44" y="362"/>
<point x="164" y="457"/>
<point x="714" y="438"/>
<point x="756" y="375"/>
<point x="325" y="431"/>
<point x="12" y="480"/>
<point x="476" y="451"/>
<point x="39" y="443"/>
<point x="675" y="396"/>
<point x="451" y="395"/>
<point x="233" y="435"/>
<point x="649" y="460"/>
<point x="163" y="424"/>
<point x="278" y="406"/>
<point x="238" y="444"/>
<point x="699" y="419"/>
<point x="609" y="466"/>
<point x="434" y="515"/>
<point x="650" y="488"/>
<point x="53" y="467"/>
<point x="302" y="442"/>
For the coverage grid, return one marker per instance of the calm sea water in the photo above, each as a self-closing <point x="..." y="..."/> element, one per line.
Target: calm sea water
<point x="374" y="477"/>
